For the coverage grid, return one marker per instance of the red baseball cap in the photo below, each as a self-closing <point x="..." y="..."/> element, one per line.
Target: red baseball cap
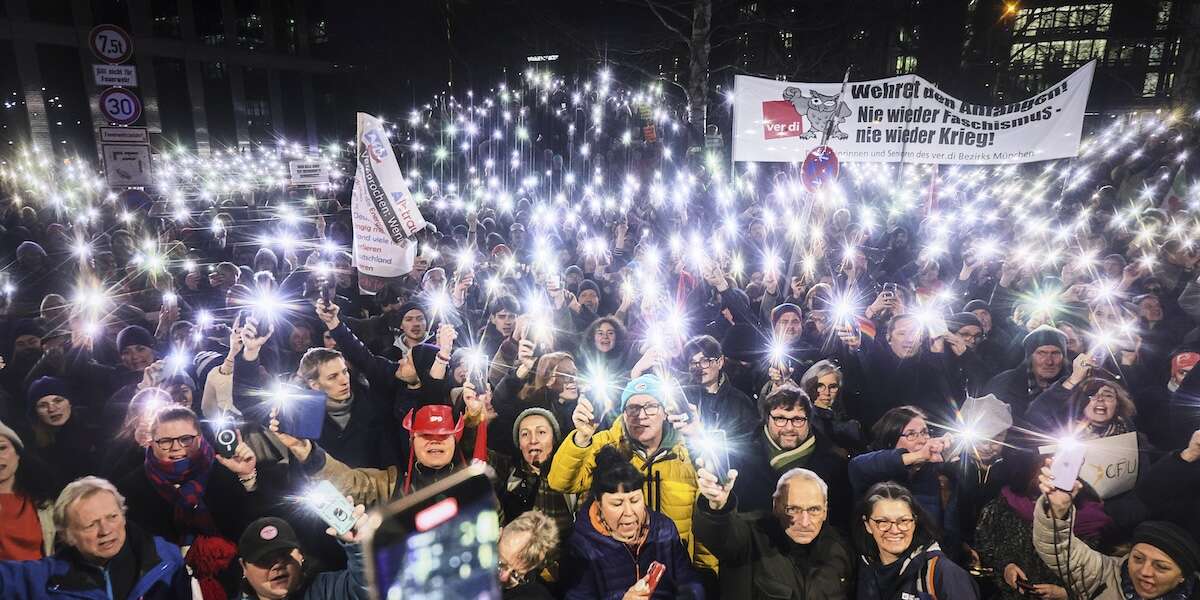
<point x="433" y="419"/>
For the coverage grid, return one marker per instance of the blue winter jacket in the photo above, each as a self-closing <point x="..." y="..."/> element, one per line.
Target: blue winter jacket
<point x="925" y="484"/>
<point x="160" y="568"/>
<point x="597" y="567"/>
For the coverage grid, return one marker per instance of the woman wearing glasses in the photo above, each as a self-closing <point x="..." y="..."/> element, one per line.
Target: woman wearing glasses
<point x="900" y="551"/>
<point x="191" y="497"/>
<point x="904" y="452"/>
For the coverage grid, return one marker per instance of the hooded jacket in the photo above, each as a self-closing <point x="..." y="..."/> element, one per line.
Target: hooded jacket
<point x="159" y="567"/>
<point x="670" y="479"/>
<point x="598" y="567"/>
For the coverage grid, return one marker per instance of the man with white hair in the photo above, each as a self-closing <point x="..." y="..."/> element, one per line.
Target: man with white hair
<point x="788" y="553"/>
<point x="103" y="556"/>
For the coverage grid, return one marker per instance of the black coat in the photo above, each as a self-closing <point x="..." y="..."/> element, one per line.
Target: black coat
<point x="231" y="506"/>
<point x="757" y="478"/>
<point x="759" y="560"/>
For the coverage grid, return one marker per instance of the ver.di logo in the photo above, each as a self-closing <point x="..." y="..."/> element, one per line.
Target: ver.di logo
<point x="788" y="117"/>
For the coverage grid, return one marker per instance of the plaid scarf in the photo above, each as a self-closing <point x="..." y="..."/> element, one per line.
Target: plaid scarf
<point x="182" y="484"/>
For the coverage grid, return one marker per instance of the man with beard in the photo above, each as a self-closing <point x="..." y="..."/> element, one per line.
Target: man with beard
<point x="790" y="552"/>
<point x="788" y="440"/>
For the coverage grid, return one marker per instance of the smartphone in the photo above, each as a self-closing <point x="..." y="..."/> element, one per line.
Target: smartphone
<point x="654" y="574"/>
<point x="1068" y="462"/>
<point x="332" y="506"/>
<point x="438" y="543"/>
<point x="301" y="411"/>
<point x="327" y="283"/>
<point x="225" y="436"/>
<point x="716" y="457"/>
<point x="1025" y="586"/>
<point x="938" y="327"/>
<point x="889" y="290"/>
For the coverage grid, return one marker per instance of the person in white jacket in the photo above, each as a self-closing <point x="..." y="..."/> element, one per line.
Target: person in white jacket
<point x="1161" y="564"/>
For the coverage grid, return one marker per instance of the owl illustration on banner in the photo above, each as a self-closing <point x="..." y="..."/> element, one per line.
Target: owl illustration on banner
<point x="821" y="110"/>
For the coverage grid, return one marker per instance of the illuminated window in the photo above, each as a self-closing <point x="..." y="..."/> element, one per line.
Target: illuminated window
<point x="1150" y="85"/>
<point x="1063" y="19"/>
<point x="785" y="37"/>
<point x="905" y="64"/>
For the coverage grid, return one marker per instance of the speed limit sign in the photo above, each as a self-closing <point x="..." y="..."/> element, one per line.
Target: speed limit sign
<point x="111" y="44"/>
<point x="120" y="105"/>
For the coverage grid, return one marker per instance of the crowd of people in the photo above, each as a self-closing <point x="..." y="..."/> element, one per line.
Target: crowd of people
<point x="839" y="414"/>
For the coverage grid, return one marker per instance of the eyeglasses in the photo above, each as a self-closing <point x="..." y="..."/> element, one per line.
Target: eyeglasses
<point x="978" y="337"/>
<point x="904" y="523"/>
<point x="796" y="422"/>
<point x="650" y="410"/>
<point x="185" y="441"/>
<point x="703" y="363"/>
<point x="829" y="386"/>
<point x="915" y="435"/>
<point x="814" y="512"/>
<point x="515" y="575"/>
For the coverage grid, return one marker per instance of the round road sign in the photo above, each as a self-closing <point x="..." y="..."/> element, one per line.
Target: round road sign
<point x="111" y="44"/>
<point x="120" y="105"/>
<point x="820" y="168"/>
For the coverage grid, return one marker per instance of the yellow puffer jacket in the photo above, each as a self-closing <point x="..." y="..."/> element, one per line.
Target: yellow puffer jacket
<point x="675" y="496"/>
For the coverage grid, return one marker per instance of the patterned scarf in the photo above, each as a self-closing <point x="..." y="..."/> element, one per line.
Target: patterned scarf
<point x="1182" y="591"/>
<point x="1117" y="426"/>
<point x="782" y="460"/>
<point x="182" y="484"/>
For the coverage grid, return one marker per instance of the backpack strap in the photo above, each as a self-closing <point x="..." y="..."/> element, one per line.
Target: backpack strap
<point x="930" y="588"/>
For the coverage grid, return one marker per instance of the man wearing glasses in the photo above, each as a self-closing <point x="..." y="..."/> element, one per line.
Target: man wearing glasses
<point x="718" y="403"/>
<point x="657" y="448"/>
<point x="787" y="553"/>
<point x="788" y="440"/>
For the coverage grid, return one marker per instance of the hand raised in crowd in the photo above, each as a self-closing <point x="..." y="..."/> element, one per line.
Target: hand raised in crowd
<point x="299" y="448"/>
<point x="243" y="462"/>
<point x="1192" y="452"/>
<point x="462" y="283"/>
<point x="716" y="494"/>
<point x="253" y="338"/>
<point x="152" y="375"/>
<point x="884" y="301"/>
<point x="686" y="423"/>
<point x="651" y="359"/>
<point x="850" y="336"/>
<point x="446" y="334"/>
<point x="236" y="343"/>
<point x="1081" y="369"/>
<point x="525" y="356"/>
<point x="931" y="452"/>
<point x="362" y="524"/>
<point x="475" y="404"/>
<point x="328" y="314"/>
<point x="779" y="373"/>
<point x="1060" y="501"/>
<point x="584" y="420"/>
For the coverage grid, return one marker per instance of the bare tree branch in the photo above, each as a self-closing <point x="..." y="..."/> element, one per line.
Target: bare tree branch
<point x="675" y="30"/>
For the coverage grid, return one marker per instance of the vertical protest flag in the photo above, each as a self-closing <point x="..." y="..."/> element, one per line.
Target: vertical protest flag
<point x="386" y="216"/>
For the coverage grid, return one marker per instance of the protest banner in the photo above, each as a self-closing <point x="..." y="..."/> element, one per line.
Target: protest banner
<point x="385" y="214"/>
<point x="905" y="119"/>
<point x="1111" y="464"/>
